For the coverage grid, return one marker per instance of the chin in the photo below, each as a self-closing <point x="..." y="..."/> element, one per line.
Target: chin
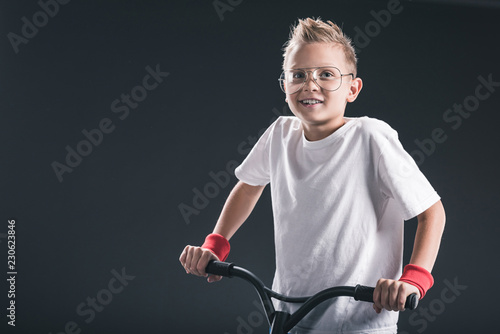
<point x="311" y="115"/>
<point x="317" y="119"/>
<point x="313" y="119"/>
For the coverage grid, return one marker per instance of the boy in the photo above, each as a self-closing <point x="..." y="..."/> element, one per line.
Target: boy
<point x="341" y="189"/>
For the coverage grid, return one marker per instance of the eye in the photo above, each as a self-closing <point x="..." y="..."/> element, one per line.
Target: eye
<point x="298" y="75"/>
<point x="327" y="74"/>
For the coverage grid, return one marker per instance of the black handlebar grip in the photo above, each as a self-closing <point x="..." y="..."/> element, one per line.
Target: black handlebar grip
<point x="219" y="268"/>
<point x="411" y="302"/>
<point x="365" y="293"/>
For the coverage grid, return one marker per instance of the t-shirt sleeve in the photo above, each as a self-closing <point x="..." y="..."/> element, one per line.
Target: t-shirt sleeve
<point x="401" y="179"/>
<point x="254" y="170"/>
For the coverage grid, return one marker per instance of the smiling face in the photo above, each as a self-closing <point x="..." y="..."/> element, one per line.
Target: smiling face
<point x="321" y="111"/>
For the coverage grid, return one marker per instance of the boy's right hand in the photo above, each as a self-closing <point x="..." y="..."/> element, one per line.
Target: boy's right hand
<point x="195" y="260"/>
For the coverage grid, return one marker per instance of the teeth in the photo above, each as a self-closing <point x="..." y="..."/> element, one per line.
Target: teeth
<point x="311" y="101"/>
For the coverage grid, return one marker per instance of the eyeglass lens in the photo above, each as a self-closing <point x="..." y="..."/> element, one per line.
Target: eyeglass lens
<point x="328" y="78"/>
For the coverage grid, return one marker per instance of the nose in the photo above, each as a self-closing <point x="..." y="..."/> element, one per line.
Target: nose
<point x="310" y="84"/>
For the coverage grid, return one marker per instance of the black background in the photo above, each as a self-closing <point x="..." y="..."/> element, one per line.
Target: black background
<point x="119" y="208"/>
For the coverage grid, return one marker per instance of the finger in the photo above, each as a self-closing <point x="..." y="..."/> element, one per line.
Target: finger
<point x="189" y="259"/>
<point x="377" y="309"/>
<point x="182" y="258"/>
<point x="197" y="252"/>
<point x="402" y="294"/>
<point x="377" y="294"/>
<point x="214" y="278"/>
<point x="203" y="262"/>
<point x="394" y="296"/>
<point x="384" y="298"/>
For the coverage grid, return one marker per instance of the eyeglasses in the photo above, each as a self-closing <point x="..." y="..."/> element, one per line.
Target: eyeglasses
<point x="327" y="77"/>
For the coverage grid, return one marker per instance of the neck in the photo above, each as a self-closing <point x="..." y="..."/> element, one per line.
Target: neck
<point x="314" y="132"/>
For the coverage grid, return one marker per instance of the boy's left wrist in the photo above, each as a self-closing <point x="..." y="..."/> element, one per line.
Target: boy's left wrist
<point x="419" y="277"/>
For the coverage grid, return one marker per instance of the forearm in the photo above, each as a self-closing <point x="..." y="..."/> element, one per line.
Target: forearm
<point x="237" y="208"/>
<point x="391" y="294"/>
<point x="428" y="236"/>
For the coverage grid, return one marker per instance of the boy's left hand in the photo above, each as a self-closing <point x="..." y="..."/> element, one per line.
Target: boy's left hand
<point x="391" y="295"/>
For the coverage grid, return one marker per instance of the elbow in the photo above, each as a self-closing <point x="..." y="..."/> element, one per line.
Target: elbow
<point x="442" y="213"/>
<point x="435" y="215"/>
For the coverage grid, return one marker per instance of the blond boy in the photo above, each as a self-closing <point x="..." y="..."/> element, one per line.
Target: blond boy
<point x="341" y="189"/>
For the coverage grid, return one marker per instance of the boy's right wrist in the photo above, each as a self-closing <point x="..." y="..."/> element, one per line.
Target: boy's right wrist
<point x="218" y="245"/>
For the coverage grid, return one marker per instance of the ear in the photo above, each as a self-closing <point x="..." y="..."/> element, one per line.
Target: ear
<point x="354" y="89"/>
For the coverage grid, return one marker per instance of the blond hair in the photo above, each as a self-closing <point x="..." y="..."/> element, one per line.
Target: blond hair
<point x="317" y="31"/>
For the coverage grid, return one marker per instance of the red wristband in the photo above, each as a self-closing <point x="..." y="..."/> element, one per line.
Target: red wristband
<point x="218" y="245"/>
<point x="419" y="277"/>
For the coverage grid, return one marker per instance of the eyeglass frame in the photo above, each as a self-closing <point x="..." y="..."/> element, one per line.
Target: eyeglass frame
<point x="314" y="79"/>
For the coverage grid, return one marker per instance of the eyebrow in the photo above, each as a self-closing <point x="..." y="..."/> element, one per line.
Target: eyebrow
<point x="307" y="68"/>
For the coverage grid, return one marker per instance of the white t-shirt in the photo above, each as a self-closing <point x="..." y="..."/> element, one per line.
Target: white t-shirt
<point x="338" y="206"/>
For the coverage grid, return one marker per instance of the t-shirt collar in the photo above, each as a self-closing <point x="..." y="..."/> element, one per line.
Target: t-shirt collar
<point x="317" y="144"/>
